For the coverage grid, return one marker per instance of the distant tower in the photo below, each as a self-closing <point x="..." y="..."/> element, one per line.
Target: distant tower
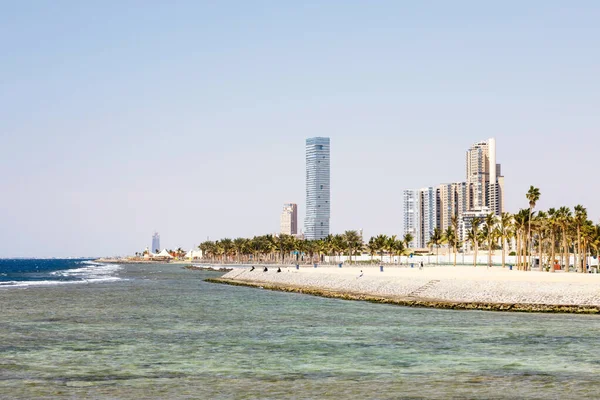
<point x="289" y="219"/>
<point x="484" y="178"/>
<point x="316" y="222"/>
<point x="155" y="243"/>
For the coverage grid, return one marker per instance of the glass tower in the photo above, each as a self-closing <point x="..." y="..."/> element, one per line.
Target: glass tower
<point x="318" y="206"/>
<point x="155" y="243"/>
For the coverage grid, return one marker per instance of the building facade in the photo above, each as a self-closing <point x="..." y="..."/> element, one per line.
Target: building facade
<point x="412" y="216"/>
<point x="318" y="201"/>
<point x="155" y="243"/>
<point x="289" y="219"/>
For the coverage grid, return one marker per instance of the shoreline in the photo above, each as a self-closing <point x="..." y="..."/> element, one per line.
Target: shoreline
<point x="439" y="287"/>
<point x="419" y="303"/>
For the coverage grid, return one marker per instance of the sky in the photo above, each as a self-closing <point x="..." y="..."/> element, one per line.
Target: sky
<point x="121" y="118"/>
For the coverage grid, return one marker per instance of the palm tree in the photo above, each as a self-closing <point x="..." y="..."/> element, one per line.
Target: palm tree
<point x="399" y="248"/>
<point x="239" y="244"/>
<point x="533" y="195"/>
<point x="474" y="237"/>
<point x="372" y="247"/>
<point x="451" y="238"/>
<point x="353" y="242"/>
<point x="540" y="226"/>
<point x="380" y="244"/>
<point x="227" y="245"/>
<point x="579" y="220"/>
<point x="407" y="239"/>
<point x="338" y="244"/>
<point x="552" y="226"/>
<point x="521" y="221"/>
<point x="504" y="231"/>
<point x="490" y="223"/>
<point x="390" y="246"/>
<point x="564" y="220"/>
<point x="454" y="222"/>
<point x="435" y="239"/>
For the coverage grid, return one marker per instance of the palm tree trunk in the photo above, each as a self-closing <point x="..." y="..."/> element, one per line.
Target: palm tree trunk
<point x="578" y="268"/>
<point x="454" y="255"/>
<point x="540" y="251"/>
<point x="565" y="251"/>
<point x="518" y="249"/>
<point x="503" y="251"/>
<point x="489" y="251"/>
<point x="552" y="254"/>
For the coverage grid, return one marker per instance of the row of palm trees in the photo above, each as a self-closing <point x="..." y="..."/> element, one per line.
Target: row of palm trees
<point x="287" y="249"/>
<point x="552" y="236"/>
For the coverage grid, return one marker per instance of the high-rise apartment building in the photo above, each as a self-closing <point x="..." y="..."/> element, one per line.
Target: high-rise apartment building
<point x="484" y="177"/>
<point x="155" y="243"/>
<point x="318" y="207"/>
<point x="412" y="216"/>
<point x="289" y="219"/>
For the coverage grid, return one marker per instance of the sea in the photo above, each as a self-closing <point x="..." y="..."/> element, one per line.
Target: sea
<point x="80" y="329"/>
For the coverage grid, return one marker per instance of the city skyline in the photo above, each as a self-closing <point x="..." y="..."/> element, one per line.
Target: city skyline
<point x="106" y="143"/>
<point x="432" y="208"/>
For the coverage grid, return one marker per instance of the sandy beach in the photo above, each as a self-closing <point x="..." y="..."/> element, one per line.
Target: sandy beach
<point x="443" y="287"/>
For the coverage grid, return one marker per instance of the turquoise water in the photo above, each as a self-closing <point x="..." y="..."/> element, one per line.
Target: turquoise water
<point x="161" y="332"/>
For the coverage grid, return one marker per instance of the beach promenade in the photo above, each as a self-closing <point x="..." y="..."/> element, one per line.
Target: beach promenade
<point x="443" y="287"/>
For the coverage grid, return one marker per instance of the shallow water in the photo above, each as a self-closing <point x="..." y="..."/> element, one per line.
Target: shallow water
<point x="162" y="332"/>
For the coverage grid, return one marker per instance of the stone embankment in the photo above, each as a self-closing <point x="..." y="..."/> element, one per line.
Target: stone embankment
<point x="441" y="287"/>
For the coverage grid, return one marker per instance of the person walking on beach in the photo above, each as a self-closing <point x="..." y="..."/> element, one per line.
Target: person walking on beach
<point x="252" y="269"/>
<point x="421" y="265"/>
<point x="265" y="269"/>
<point x="361" y="274"/>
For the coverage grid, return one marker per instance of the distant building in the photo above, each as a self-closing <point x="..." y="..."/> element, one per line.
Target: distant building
<point x="155" y="243"/>
<point x="289" y="219"/>
<point x="316" y="222"/>
<point x="484" y="178"/>
<point x="434" y="207"/>
<point x="412" y="216"/>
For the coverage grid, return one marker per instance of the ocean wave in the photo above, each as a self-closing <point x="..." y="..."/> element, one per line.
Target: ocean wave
<point x="91" y="273"/>
<point x="21" y="284"/>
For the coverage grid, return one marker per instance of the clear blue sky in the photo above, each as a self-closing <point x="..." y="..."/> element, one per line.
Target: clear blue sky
<point x="118" y="118"/>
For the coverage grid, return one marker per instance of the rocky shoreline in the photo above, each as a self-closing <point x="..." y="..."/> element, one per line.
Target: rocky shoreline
<point x="412" y="302"/>
<point x="460" y="288"/>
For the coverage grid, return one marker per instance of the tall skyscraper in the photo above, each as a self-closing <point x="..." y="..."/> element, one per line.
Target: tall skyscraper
<point x="289" y="219"/>
<point x="155" y="243"/>
<point x="316" y="222"/>
<point x="483" y="177"/>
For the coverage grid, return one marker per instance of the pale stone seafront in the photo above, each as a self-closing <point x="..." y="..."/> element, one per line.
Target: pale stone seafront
<point x="445" y="287"/>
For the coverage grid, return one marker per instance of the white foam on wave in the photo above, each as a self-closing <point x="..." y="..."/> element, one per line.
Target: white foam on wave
<point x="93" y="272"/>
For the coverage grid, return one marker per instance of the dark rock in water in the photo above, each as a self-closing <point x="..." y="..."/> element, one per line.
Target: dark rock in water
<point x="197" y="268"/>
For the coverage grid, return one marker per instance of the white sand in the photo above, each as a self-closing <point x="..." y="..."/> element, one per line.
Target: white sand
<point x="454" y="284"/>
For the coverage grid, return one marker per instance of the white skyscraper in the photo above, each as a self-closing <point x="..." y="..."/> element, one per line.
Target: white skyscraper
<point x="412" y="216"/>
<point x="316" y="222"/>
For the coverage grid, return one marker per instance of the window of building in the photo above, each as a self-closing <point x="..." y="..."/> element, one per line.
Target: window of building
<point x="320" y="147"/>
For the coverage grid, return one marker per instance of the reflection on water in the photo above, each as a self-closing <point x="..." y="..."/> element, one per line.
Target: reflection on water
<point x="164" y="333"/>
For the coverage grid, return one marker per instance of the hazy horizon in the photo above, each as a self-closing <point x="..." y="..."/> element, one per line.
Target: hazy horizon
<point x="124" y="118"/>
